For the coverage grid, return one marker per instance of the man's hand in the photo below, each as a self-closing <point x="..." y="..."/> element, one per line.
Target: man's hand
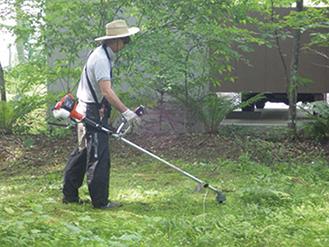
<point x="132" y="118"/>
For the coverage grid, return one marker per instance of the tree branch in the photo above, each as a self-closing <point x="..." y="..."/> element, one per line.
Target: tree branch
<point x="277" y="40"/>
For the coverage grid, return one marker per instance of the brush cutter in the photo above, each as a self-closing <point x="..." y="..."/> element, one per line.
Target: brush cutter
<point x="66" y="108"/>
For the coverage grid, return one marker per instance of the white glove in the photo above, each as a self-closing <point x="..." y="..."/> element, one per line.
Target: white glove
<point x="132" y="118"/>
<point x="61" y="114"/>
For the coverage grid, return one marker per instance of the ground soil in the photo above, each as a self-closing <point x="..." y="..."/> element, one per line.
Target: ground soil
<point x="42" y="150"/>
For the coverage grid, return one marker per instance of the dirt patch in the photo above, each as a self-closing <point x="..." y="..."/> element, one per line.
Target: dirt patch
<point x="39" y="151"/>
<point x="185" y="146"/>
<point x="32" y="150"/>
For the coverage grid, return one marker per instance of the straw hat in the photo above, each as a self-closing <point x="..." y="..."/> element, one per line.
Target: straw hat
<point x="118" y="29"/>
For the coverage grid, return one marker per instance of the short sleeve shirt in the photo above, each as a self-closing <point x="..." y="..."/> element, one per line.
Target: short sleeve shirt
<point x="98" y="68"/>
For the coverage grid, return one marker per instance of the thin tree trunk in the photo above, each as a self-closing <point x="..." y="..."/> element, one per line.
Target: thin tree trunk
<point x="161" y="110"/>
<point x="10" y="56"/>
<point x="2" y="85"/>
<point x="277" y="40"/>
<point x="19" y="38"/>
<point x="293" y="81"/>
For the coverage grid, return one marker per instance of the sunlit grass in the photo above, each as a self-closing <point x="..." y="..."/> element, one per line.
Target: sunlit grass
<point x="284" y="205"/>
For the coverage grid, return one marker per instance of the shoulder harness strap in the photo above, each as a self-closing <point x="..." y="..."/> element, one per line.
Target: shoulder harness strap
<point x="88" y="81"/>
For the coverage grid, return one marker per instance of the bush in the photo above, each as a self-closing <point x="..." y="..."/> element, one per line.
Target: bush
<point x="318" y="127"/>
<point x="15" y="116"/>
<point x="212" y="110"/>
<point x="7" y="116"/>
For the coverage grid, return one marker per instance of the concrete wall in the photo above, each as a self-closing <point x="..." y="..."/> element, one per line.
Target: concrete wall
<point x="266" y="73"/>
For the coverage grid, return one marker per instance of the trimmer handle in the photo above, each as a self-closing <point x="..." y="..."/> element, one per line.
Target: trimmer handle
<point x="121" y="131"/>
<point x="140" y="110"/>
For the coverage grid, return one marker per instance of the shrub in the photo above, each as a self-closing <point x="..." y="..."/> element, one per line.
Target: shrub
<point x="211" y="110"/>
<point x="7" y="116"/>
<point x="318" y="127"/>
<point x="15" y="116"/>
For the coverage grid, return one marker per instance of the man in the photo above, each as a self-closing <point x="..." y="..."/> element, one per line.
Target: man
<point x="96" y="97"/>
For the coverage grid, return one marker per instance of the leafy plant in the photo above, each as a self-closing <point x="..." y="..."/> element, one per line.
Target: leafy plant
<point x="318" y="127"/>
<point x="15" y="116"/>
<point x="7" y="116"/>
<point x="211" y="110"/>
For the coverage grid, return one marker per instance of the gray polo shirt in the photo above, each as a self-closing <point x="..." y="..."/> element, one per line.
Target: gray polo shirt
<point x="98" y="68"/>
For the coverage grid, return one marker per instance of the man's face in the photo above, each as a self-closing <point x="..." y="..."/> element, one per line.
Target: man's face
<point x="126" y="40"/>
<point x="119" y="44"/>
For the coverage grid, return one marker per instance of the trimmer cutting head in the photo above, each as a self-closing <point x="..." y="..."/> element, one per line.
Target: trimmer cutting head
<point x="220" y="197"/>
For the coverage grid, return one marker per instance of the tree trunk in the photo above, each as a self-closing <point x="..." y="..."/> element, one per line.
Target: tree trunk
<point x="293" y="81"/>
<point x="10" y="56"/>
<point x="2" y="85"/>
<point x="20" y="47"/>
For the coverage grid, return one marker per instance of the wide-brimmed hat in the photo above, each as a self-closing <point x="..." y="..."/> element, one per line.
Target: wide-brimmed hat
<point x="118" y="29"/>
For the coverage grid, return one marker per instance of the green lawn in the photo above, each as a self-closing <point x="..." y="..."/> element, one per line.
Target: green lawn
<point x="283" y="205"/>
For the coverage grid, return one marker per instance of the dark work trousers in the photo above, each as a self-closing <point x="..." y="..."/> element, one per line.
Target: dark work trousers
<point x="93" y="160"/>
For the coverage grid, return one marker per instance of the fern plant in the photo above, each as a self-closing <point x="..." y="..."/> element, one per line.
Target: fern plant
<point x="318" y="127"/>
<point x="7" y="116"/>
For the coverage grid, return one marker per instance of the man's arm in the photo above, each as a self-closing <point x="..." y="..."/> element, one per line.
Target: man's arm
<point x="106" y="90"/>
<point x="110" y="95"/>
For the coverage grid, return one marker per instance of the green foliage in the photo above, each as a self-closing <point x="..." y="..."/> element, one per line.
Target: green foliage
<point x="28" y="78"/>
<point x="59" y="132"/>
<point x="318" y="127"/>
<point x="211" y="110"/>
<point x="28" y="17"/>
<point x="7" y="116"/>
<point x="22" y="115"/>
<point x="249" y="100"/>
<point x="25" y="84"/>
<point x="183" y="44"/>
<point x="265" y="197"/>
<point x="69" y="31"/>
